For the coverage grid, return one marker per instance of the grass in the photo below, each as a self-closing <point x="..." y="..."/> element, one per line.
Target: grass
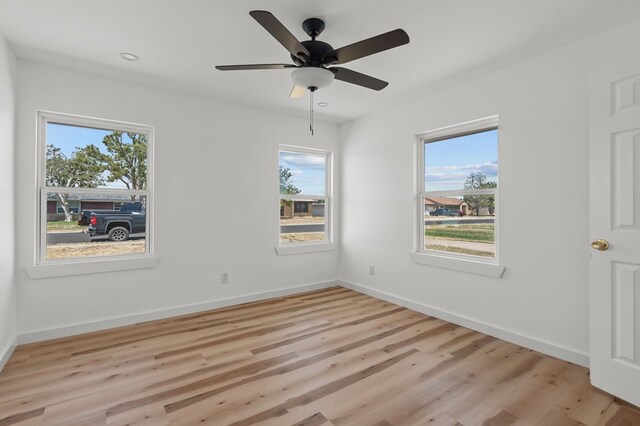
<point x="460" y="250"/>
<point x="484" y="233"/>
<point x="61" y="225"/>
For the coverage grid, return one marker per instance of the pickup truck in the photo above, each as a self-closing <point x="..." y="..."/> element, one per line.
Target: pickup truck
<point x="117" y="225"/>
<point x="84" y="218"/>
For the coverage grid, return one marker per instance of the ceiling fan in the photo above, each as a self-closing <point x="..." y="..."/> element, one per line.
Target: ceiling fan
<point x="314" y="60"/>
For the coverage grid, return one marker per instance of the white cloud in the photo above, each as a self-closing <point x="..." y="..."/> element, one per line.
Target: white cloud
<point x="456" y="175"/>
<point x="488" y="168"/>
<point x="444" y="177"/>
<point x="296" y="172"/>
<point x="307" y="161"/>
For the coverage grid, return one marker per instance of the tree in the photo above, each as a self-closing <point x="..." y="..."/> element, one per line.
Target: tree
<point x="286" y="187"/>
<point x="77" y="171"/>
<point x="126" y="162"/>
<point x="477" y="180"/>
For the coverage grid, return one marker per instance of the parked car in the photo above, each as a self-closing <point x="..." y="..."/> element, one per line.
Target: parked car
<point x="85" y="215"/>
<point x="117" y="225"/>
<point x="445" y="212"/>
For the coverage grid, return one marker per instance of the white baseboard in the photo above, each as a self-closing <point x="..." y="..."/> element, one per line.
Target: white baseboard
<point x="7" y="351"/>
<point x="555" y="350"/>
<point x="70" y="330"/>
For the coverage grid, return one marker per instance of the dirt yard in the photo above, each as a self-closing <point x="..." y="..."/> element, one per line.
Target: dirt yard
<point x="460" y="250"/>
<point x="99" y="248"/>
<point x="301" y="237"/>
<point x="302" y="220"/>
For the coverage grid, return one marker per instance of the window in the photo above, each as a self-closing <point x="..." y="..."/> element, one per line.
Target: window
<point x="94" y="189"/>
<point x="458" y="200"/>
<point x="301" y="206"/>
<point x="305" y="196"/>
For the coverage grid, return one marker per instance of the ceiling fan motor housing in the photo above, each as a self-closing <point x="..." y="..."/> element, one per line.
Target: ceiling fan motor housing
<point x="318" y="49"/>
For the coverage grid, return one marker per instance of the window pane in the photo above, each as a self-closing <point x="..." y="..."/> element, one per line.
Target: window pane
<point x="464" y="162"/>
<point x="302" y="173"/>
<point x="456" y="225"/>
<point x="302" y="221"/>
<point x="84" y="225"/>
<point x="83" y="157"/>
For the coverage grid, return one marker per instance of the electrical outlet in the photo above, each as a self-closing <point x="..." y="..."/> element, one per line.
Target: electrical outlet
<point x="372" y="270"/>
<point x="224" y="278"/>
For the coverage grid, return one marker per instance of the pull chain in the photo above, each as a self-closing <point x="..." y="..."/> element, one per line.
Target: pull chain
<point x="311" y="110"/>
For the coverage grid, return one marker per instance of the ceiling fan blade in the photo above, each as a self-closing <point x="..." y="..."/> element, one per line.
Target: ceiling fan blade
<point x="367" y="47"/>
<point x="354" y="77"/>
<point x="297" y="92"/>
<point x="280" y="33"/>
<point x="254" y="67"/>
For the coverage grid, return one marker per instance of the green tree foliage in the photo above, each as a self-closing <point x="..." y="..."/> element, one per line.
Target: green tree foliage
<point x="125" y="161"/>
<point x="478" y="180"/>
<point x="77" y="171"/>
<point x="286" y="187"/>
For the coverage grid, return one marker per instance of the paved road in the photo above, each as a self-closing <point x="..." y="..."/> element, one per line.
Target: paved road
<point x="78" y="237"/>
<point x="67" y="237"/>
<point x="314" y="227"/>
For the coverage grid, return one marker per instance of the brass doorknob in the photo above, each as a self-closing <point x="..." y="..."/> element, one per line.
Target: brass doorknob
<point x="601" y="245"/>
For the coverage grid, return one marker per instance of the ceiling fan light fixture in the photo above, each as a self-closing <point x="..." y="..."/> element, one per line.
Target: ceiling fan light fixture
<point x="312" y="77"/>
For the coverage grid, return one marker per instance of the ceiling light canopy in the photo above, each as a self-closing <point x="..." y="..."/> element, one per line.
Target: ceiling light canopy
<point x="312" y="77"/>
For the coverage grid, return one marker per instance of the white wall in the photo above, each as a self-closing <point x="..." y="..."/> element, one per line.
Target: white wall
<point x="216" y="200"/>
<point x="8" y="85"/>
<point x="544" y="206"/>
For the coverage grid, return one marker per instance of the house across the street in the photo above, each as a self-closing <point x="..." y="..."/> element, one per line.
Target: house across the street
<point x="301" y="208"/>
<point x="446" y="203"/>
<point x="80" y="202"/>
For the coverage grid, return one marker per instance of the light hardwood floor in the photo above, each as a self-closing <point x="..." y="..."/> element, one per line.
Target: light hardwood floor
<point x="330" y="357"/>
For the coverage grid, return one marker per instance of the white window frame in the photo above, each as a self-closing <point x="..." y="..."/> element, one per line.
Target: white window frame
<point x="327" y="197"/>
<point x="44" y="267"/>
<point x="466" y="263"/>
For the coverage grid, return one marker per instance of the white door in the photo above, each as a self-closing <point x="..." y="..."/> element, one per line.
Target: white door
<point x="615" y="218"/>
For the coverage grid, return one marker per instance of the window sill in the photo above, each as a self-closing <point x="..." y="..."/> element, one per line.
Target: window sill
<point x="462" y="265"/>
<point x="68" y="268"/>
<point x="304" y="248"/>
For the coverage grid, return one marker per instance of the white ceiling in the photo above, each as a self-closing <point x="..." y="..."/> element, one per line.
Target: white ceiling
<point x="179" y="42"/>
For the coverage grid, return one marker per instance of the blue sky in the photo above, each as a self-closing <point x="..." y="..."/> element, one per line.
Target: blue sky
<point x="308" y="171"/>
<point x="447" y="163"/>
<point x="68" y="138"/>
